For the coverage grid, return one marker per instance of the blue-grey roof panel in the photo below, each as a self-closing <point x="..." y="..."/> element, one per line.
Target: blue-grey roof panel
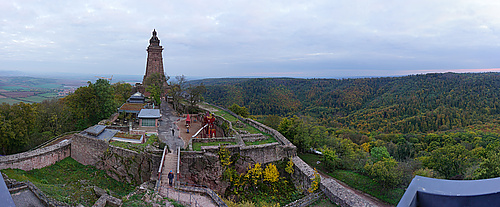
<point x="149" y="113"/>
<point x="424" y="191"/>
<point x="95" y="130"/>
<point x="107" y="134"/>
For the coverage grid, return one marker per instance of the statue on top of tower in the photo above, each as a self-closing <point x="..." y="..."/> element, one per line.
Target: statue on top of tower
<point x="154" y="41"/>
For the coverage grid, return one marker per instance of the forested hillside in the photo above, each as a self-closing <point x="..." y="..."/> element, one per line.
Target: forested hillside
<point x="416" y="103"/>
<point x="26" y="125"/>
<point x="380" y="129"/>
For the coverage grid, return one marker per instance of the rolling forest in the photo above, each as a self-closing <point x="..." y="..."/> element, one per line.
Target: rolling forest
<point x="441" y="125"/>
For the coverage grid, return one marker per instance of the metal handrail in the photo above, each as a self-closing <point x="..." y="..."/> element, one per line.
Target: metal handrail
<point x="160" y="170"/>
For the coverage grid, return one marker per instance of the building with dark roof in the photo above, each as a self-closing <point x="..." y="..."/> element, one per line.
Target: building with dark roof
<point x="136" y="98"/>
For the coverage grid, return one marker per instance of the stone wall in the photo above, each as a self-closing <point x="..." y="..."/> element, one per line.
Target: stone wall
<point x="37" y="159"/>
<point x="253" y="137"/>
<point x="340" y="195"/>
<point x="202" y="168"/>
<point x="121" y="164"/>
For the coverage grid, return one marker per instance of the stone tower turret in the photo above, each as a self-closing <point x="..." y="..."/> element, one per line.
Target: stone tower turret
<point x="154" y="63"/>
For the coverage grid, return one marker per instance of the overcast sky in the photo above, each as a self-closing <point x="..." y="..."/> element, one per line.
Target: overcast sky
<point x="215" y="38"/>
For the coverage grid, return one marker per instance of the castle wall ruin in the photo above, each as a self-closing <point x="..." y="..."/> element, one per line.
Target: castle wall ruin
<point x="120" y="164"/>
<point x="38" y="158"/>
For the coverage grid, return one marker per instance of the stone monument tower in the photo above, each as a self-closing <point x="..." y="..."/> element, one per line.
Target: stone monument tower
<point x="154" y="63"/>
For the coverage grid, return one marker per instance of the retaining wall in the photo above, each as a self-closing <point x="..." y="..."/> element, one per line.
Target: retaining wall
<point x="37" y="159"/>
<point x="121" y="164"/>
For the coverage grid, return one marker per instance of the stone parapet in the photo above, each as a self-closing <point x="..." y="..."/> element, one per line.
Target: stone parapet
<point x="37" y="159"/>
<point x="340" y="195"/>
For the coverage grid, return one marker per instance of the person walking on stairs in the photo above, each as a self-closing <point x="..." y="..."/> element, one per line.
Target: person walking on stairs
<point x="170" y="178"/>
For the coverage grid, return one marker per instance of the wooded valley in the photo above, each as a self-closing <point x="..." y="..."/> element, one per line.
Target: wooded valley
<point x="443" y="125"/>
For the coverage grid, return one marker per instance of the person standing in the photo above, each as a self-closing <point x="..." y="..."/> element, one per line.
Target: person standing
<point x="173" y="132"/>
<point x="170" y="178"/>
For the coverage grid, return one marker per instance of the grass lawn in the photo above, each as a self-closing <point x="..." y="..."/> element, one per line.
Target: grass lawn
<point x="197" y="145"/>
<point x="151" y="140"/>
<point x="71" y="182"/>
<point x="128" y="136"/>
<point x="266" y="141"/>
<point x="226" y="115"/>
<point x="358" y="181"/>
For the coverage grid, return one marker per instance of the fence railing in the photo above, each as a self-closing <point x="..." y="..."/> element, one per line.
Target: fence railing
<point x="160" y="170"/>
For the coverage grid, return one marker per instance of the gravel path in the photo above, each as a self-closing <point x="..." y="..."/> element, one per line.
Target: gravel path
<point x="167" y="123"/>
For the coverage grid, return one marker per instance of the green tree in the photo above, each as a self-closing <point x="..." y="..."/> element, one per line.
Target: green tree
<point x="330" y="158"/>
<point x="195" y="95"/>
<point x="7" y="136"/>
<point x="448" y="161"/>
<point x="272" y="121"/>
<point x="177" y="88"/>
<point x="90" y="104"/>
<point x="156" y="85"/>
<point x="489" y="167"/>
<point x="122" y="92"/>
<point x="385" y="171"/>
<point x="239" y="110"/>
<point x="379" y="153"/>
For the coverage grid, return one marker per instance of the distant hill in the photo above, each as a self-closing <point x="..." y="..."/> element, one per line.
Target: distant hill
<point x="415" y="103"/>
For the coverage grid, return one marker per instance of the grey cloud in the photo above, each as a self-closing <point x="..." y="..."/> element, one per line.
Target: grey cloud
<point x="245" y="38"/>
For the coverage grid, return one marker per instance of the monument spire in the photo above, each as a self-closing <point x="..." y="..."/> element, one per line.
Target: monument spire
<point x="154" y="62"/>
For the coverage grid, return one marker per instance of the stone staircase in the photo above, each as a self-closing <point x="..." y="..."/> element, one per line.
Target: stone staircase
<point x="181" y="194"/>
<point x="170" y="164"/>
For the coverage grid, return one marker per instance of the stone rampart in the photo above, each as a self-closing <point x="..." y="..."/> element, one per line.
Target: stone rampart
<point x="121" y="164"/>
<point x="37" y="159"/>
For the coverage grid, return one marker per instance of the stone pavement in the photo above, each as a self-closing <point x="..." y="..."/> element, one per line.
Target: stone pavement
<point x="167" y="123"/>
